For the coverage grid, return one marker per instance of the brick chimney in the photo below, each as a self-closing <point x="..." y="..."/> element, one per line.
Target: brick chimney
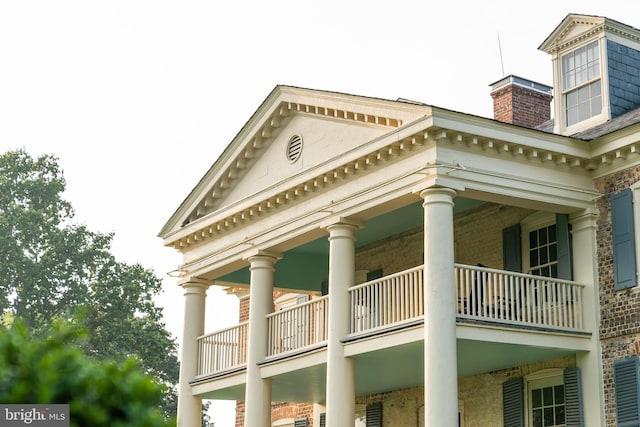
<point x="521" y="102"/>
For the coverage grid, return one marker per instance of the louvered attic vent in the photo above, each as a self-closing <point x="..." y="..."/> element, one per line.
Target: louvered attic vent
<point x="294" y="148"/>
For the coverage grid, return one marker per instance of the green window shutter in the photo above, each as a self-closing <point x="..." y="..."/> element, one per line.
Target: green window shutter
<point x="513" y="403"/>
<point x="512" y="248"/>
<point x="573" y="398"/>
<point x="623" y="236"/>
<point x="374" y="415"/>
<point x="374" y="274"/>
<point x="626" y="383"/>
<point x="564" y="247"/>
<point x="323" y="420"/>
<point x="300" y="422"/>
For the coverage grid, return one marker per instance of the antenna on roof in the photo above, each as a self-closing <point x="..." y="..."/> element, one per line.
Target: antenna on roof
<point x="500" y="50"/>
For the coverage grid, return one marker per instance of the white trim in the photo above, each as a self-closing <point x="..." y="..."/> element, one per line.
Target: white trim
<point x="284" y="422"/>
<point x="538" y="379"/>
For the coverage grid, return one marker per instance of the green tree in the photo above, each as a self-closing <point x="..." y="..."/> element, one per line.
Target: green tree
<point x="53" y="268"/>
<point x="51" y="368"/>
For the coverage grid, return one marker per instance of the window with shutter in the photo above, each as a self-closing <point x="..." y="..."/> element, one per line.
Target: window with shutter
<point x="374" y="415"/>
<point x="573" y="398"/>
<point x="323" y="420"/>
<point x="626" y="384"/>
<point x="511" y="252"/>
<point x="623" y="237"/>
<point x="300" y="422"/>
<point x="513" y="403"/>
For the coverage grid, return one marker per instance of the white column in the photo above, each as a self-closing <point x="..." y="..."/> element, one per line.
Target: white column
<point x="440" y="354"/>
<point x="258" y="390"/>
<point x="340" y="370"/>
<point x="583" y="230"/>
<point x="189" y="406"/>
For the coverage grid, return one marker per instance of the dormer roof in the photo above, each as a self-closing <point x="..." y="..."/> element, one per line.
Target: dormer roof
<point x="574" y="28"/>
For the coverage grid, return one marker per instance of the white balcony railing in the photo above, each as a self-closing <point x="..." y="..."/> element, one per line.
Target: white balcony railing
<point x="298" y="327"/>
<point x="515" y="298"/>
<point x="483" y="294"/>
<point x="223" y="350"/>
<point x="387" y="301"/>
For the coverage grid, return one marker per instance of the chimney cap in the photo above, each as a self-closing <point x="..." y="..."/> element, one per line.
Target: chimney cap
<point x="520" y="81"/>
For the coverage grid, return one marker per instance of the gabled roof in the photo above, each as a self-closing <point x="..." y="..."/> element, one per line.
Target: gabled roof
<point x="575" y="28"/>
<point x="221" y="185"/>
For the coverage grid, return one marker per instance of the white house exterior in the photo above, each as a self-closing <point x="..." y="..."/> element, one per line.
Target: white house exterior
<point x="455" y="269"/>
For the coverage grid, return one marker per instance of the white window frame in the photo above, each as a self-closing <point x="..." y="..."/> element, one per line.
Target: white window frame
<point x="543" y="378"/>
<point x="560" y="109"/>
<point x="533" y="222"/>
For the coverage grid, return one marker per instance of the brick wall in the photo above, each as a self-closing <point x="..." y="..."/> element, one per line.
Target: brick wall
<point x="521" y="106"/>
<point x="480" y="396"/>
<point x="477" y="239"/>
<point x="619" y="311"/>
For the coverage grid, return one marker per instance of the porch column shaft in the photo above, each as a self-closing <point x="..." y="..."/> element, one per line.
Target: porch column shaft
<point x="440" y="355"/>
<point x="258" y="390"/>
<point x="583" y="230"/>
<point x="189" y="406"/>
<point x="340" y="370"/>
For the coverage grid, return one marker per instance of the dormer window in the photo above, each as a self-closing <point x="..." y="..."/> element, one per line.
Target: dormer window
<point x="581" y="84"/>
<point x="596" y="64"/>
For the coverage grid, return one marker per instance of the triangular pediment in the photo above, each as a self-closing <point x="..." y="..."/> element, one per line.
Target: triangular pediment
<point x="323" y="125"/>
<point x="576" y="28"/>
<point x="571" y="30"/>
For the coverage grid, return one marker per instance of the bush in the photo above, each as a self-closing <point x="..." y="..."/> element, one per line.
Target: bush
<point x="52" y="369"/>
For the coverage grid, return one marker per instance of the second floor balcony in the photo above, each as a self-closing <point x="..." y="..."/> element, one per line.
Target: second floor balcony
<point x="484" y="297"/>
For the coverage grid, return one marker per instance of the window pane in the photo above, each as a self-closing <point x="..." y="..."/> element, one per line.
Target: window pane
<point x="572" y="116"/>
<point x="533" y="239"/>
<point x="537" y="418"/>
<point x="596" y="106"/>
<point x="533" y="259"/>
<point x="544" y="256"/>
<point x="558" y="391"/>
<point x="548" y="417"/>
<point x="547" y="396"/>
<point x="560" y="417"/>
<point x="553" y="252"/>
<point x="552" y="233"/>
<point x="536" y="398"/>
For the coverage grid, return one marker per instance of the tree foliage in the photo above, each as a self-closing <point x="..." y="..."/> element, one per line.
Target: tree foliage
<point x="53" y="369"/>
<point x="53" y="268"/>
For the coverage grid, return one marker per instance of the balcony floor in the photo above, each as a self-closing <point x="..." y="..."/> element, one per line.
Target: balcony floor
<point x="393" y="359"/>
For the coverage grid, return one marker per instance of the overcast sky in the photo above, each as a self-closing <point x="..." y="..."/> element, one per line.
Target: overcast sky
<point x="138" y="98"/>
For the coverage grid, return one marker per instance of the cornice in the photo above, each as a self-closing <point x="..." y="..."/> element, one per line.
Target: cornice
<point x="209" y="227"/>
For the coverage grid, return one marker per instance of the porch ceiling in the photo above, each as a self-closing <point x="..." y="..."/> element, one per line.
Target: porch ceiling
<point x="311" y="260"/>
